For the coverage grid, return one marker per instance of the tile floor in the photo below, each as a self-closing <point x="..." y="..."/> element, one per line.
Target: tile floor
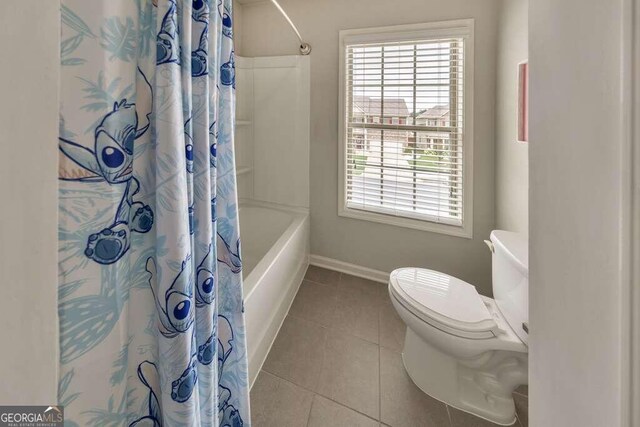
<point x="337" y="362"/>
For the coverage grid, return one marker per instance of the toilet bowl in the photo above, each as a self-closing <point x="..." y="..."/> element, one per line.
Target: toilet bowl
<point x="464" y="349"/>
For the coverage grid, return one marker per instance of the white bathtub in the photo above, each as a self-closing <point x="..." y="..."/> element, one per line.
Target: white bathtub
<point x="275" y="252"/>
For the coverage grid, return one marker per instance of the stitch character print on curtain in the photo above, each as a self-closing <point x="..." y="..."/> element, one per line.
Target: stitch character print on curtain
<point x="150" y="285"/>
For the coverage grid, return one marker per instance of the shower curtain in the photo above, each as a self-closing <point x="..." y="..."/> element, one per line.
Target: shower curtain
<point x="150" y="287"/>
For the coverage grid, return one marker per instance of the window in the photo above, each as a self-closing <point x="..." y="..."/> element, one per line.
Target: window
<point x="415" y="170"/>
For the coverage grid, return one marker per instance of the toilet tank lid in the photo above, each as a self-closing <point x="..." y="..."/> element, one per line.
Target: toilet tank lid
<point x="515" y="245"/>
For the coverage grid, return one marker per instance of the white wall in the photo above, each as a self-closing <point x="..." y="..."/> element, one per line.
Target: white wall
<point x="28" y="189"/>
<point x="243" y="137"/>
<point x="281" y="130"/>
<point x="238" y="13"/>
<point x="272" y="130"/>
<point x="373" y="245"/>
<point x="512" y="158"/>
<point x="576" y="229"/>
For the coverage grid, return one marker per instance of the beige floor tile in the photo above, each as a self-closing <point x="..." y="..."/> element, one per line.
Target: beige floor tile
<point x="356" y="313"/>
<point x="322" y="275"/>
<point x="464" y="419"/>
<point x="298" y="352"/>
<point x="348" y="282"/>
<point x="386" y="298"/>
<point x="350" y="373"/>
<point x="315" y="302"/>
<point x="278" y="403"/>
<point x="326" y="413"/>
<point x="392" y="328"/>
<point x="404" y="404"/>
<point x="522" y="408"/>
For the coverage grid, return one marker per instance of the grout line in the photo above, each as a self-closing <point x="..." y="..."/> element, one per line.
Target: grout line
<point x="379" y="364"/>
<point x="330" y="329"/>
<point x="318" y="283"/>
<point x="380" y="348"/>
<point x="324" y="355"/>
<point x="339" y="331"/>
<point x="338" y="285"/>
<point x="320" y="395"/>
<point x="324" y="360"/>
<point x="379" y="375"/>
<point x="305" y="279"/>
<point x="313" y="402"/>
<point x="340" y="288"/>
<point x="347" y="407"/>
<point x="333" y="329"/>
<point x="449" y="415"/>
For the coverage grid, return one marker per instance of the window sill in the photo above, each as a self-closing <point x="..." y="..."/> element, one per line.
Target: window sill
<point x="464" y="231"/>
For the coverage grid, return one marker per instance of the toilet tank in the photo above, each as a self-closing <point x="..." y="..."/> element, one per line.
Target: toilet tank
<point x="510" y="278"/>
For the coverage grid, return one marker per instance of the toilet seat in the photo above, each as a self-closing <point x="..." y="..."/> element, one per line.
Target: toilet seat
<point x="445" y="302"/>
<point x="460" y="347"/>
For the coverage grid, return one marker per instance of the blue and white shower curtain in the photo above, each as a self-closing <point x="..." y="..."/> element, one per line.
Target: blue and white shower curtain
<point x="150" y="288"/>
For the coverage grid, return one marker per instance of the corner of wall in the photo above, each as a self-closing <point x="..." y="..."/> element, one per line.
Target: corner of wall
<point x="238" y="18"/>
<point x="512" y="165"/>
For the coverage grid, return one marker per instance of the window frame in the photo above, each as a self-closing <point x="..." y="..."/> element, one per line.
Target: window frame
<point x="459" y="28"/>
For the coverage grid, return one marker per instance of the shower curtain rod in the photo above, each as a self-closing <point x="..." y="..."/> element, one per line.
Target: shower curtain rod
<point x="305" y="48"/>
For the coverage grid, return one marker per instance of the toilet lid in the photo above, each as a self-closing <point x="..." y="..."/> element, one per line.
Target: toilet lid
<point x="443" y="298"/>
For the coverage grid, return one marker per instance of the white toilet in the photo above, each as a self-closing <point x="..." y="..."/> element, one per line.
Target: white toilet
<point x="464" y="349"/>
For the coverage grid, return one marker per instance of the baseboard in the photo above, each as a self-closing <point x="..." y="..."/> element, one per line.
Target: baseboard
<point x="353" y="269"/>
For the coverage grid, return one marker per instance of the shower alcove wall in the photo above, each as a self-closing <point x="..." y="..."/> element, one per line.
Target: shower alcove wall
<point x="272" y="162"/>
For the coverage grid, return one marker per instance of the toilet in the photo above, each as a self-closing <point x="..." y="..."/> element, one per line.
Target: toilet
<point x="462" y="348"/>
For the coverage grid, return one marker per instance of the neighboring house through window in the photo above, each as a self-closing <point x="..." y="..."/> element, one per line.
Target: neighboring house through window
<point x="406" y="131"/>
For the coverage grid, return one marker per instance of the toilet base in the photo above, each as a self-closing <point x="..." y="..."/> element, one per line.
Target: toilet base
<point x="481" y="385"/>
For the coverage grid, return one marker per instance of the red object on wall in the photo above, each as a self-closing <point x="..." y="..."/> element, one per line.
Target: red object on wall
<point x="523" y="102"/>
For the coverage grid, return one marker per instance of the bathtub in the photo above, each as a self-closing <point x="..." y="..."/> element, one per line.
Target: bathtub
<point x="275" y="256"/>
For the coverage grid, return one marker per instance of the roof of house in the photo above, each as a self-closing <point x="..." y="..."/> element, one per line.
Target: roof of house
<point x="396" y="107"/>
<point x="435" y="112"/>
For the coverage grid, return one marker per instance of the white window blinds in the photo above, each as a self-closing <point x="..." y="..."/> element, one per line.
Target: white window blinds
<point x="404" y="128"/>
